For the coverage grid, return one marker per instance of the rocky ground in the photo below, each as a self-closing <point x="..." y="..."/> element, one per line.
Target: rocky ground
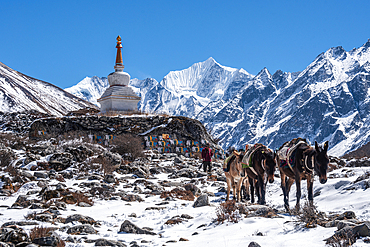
<point x="69" y="192"/>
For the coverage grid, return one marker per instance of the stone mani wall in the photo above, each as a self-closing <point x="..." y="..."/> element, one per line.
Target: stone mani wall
<point x="164" y="134"/>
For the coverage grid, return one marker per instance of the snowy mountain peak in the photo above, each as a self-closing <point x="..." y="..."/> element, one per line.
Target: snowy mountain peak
<point x="335" y="52"/>
<point x="90" y="88"/>
<point x="263" y="77"/>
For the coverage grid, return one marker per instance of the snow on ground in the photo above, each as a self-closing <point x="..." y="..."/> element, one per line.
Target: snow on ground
<point x="337" y="195"/>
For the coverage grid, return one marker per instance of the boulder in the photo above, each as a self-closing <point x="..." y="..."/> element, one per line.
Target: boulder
<point x="253" y="244"/>
<point x="193" y="188"/>
<point x="60" y="161"/>
<point x="16" y="235"/>
<point x="80" y="218"/>
<point x="82" y="229"/>
<point x="362" y="230"/>
<point x="129" y="227"/>
<point x="109" y="178"/>
<point x="38" y="174"/>
<point x="201" y="201"/>
<point x="106" y="242"/>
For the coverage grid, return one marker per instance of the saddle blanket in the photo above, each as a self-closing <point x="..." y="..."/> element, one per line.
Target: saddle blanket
<point x="247" y="159"/>
<point x="288" y="148"/>
<point x="287" y="152"/>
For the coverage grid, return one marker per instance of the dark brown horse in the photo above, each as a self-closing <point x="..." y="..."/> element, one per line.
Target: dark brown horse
<point x="260" y="169"/>
<point x="302" y="163"/>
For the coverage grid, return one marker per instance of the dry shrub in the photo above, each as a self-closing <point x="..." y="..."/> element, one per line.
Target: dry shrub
<point x="129" y="146"/>
<point x="40" y="232"/>
<point x="309" y="215"/>
<point x="178" y="193"/>
<point x="228" y="211"/>
<point x="106" y="165"/>
<point x="76" y="198"/>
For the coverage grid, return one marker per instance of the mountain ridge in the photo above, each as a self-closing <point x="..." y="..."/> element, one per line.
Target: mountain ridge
<point x="19" y="92"/>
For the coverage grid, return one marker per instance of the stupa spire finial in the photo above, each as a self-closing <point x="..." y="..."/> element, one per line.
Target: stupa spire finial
<point x="119" y="61"/>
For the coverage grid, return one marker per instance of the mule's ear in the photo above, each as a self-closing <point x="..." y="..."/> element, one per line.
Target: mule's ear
<point x="316" y="146"/>
<point x="326" y="146"/>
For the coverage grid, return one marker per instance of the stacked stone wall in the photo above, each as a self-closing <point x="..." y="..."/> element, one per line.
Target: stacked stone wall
<point x="160" y="133"/>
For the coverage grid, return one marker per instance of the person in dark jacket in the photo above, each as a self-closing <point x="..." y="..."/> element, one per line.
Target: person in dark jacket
<point x="207" y="156"/>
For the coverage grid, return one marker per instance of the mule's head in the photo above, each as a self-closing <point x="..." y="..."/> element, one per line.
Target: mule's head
<point x="321" y="161"/>
<point x="269" y="163"/>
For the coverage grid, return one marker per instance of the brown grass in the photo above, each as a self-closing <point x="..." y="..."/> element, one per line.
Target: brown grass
<point x="40" y="232"/>
<point x="178" y="193"/>
<point x="76" y="198"/>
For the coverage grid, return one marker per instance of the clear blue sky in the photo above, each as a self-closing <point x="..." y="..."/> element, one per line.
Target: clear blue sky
<point x="62" y="42"/>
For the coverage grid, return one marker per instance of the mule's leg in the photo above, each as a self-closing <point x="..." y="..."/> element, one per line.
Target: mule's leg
<point x="298" y="193"/>
<point x="246" y="186"/>
<point x="283" y="187"/>
<point x="234" y="189"/>
<point x="310" y="188"/>
<point x="261" y="191"/>
<point x="238" y="188"/>
<point x="251" y="182"/>
<point x="228" y="181"/>
<point x="288" y="183"/>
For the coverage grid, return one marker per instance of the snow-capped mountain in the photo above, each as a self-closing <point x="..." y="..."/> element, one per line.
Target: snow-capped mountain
<point x="329" y="100"/>
<point x="19" y="92"/>
<point x="90" y="88"/>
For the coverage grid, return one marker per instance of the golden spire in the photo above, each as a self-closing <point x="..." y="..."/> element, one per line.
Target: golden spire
<point x="119" y="60"/>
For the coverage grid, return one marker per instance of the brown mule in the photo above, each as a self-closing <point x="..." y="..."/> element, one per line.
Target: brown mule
<point x="302" y="163"/>
<point x="260" y="170"/>
<point x="235" y="176"/>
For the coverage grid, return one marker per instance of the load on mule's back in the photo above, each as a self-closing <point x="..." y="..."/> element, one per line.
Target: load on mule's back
<point x="298" y="160"/>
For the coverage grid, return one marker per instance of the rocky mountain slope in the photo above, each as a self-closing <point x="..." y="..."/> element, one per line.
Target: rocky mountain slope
<point x="327" y="101"/>
<point x="19" y="92"/>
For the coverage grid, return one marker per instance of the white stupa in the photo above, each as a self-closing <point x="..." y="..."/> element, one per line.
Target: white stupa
<point x="119" y="97"/>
